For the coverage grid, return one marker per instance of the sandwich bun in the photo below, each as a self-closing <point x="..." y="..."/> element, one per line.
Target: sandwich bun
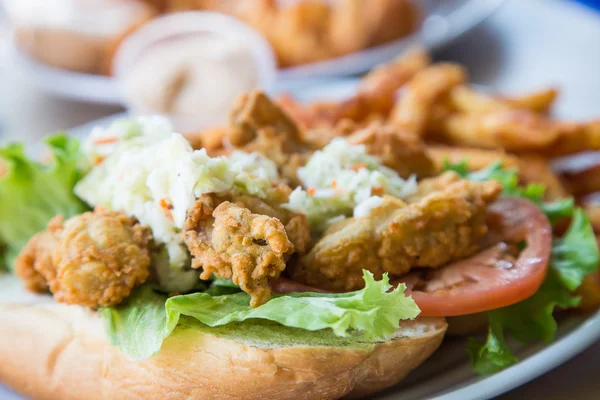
<point x="55" y="351"/>
<point x="76" y="35"/>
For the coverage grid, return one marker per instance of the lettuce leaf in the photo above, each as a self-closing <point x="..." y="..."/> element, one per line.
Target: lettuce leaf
<point x="32" y="193"/>
<point x="509" y="179"/>
<point x="527" y="321"/>
<point x="139" y="326"/>
<point x="493" y="355"/>
<point x="574" y="256"/>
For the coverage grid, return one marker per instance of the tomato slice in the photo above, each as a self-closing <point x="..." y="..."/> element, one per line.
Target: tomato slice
<point x="496" y="277"/>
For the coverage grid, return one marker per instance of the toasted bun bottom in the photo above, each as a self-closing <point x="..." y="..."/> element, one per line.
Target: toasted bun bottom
<point x="53" y="351"/>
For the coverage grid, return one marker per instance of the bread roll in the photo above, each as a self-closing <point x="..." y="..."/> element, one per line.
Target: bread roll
<point x="52" y="351"/>
<point x="77" y="35"/>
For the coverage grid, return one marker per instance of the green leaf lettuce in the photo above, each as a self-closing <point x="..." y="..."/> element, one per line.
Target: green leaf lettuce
<point x="573" y="256"/>
<point x="32" y="193"/>
<point x="139" y="326"/>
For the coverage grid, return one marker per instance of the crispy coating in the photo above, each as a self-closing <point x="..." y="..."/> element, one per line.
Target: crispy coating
<point x="297" y="228"/>
<point x="34" y="264"/>
<point x="402" y="151"/>
<point x="445" y="221"/>
<point x="99" y="258"/>
<point x="248" y="248"/>
<point x="259" y="125"/>
<point x="296" y="225"/>
<point x="94" y="259"/>
<point x="255" y="111"/>
<point x="288" y="155"/>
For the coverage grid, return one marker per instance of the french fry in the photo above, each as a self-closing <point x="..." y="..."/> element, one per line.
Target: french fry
<point x="539" y="101"/>
<point x="374" y="98"/>
<point x="465" y="99"/>
<point x="511" y="130"/>
<point x="574" y="138"/>
<point x="412" y="111"/>
<point x="378" y="87"/>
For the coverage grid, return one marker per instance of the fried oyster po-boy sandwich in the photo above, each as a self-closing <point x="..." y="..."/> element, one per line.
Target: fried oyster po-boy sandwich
<point x="276" y="265"/>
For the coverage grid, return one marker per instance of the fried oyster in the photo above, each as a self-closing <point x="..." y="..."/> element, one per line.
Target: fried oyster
<point x="245" y="239"/>
<point x="444" y="221"/>
<point x="94" y="259"/>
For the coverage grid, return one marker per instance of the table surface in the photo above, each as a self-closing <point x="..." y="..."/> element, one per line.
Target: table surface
<point x="526" y="45"/>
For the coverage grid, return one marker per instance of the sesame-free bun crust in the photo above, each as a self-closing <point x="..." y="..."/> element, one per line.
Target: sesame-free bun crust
<point x="71" y="50"/>
<point x="52" y="351"/>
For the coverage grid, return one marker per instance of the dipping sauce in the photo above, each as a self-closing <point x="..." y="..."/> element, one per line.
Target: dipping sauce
<point x="193" y="78"/>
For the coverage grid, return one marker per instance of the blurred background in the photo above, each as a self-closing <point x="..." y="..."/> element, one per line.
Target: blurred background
<point x="60" y="58"/>
<point x="69" y="62"/>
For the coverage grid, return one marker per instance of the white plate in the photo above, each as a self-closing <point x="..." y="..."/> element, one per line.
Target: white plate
<point x="447" y="375"/>
<point x="446" y="20"/>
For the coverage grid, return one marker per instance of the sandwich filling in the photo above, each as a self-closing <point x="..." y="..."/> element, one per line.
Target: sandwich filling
<point x="351" y="235"/>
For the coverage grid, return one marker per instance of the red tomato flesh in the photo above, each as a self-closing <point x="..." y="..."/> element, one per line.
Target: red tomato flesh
<point x="495" y="277"/>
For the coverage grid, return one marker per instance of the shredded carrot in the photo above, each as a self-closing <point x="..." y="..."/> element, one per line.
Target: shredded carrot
<point x="97" y="160"/>
<point x="166" y="207"/>
<point x="106" y="140"/>
<point x="99" y="209"/>
<point x="164" y="203"/>
<point x="311" y="191"/>
<point x="377" y="191"/>
<point x="358" y="167"/>
<point x="334" y="184"/>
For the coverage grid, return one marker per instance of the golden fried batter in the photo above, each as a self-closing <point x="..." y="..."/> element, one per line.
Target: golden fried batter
<point x="94" y="259"/>
<point x="255" y="111"/>
<point x="259" y="125"/>
<point x="439" y="227"/>
<point x="248" y="248"/>
<point x="34" y="264"/>
<point x="296" y="225"/>
<point x="402" y="151"/>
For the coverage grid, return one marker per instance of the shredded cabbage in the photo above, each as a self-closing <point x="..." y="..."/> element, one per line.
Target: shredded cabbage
<point x="340" y="177"/>
<point x="153" y="174"/>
